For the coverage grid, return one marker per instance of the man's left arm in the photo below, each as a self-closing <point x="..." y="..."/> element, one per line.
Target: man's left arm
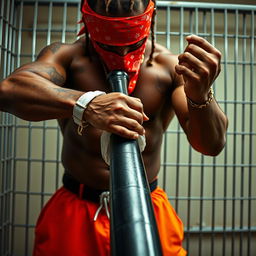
<point x="202" y="119"/>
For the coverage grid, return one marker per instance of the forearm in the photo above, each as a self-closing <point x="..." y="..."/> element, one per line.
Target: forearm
<point x="205" y="123"/>
<point x="206" y="128"/>
<point x="34" y="98"/>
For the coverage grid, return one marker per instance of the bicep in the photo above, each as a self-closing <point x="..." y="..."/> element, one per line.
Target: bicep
<point x="48" y="65"/>
<point x="49" y="71"/>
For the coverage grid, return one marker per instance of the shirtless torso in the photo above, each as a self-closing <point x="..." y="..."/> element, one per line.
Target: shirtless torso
<point x="49" y="87"/>
<point x="82" y="155"/>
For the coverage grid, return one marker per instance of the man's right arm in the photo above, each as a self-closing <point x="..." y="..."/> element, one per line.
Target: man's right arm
<point x="35" y="91"/>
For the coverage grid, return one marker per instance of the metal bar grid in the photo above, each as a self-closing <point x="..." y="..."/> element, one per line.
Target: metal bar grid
<point x="215" y="197"/>
<point x="7" y="46"/>
<point x="233" y="214"/>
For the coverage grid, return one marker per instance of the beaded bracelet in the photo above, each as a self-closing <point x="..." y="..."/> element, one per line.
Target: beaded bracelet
<point x="205" y="104"/>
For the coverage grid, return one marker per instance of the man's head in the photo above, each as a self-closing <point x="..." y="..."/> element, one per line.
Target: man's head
<point x="118" y="30"/>
<point x="122" y="8"/>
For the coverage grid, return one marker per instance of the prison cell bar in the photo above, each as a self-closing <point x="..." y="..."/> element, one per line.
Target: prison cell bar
<point x="214" y="161"/>
<point x="190" y="165"/>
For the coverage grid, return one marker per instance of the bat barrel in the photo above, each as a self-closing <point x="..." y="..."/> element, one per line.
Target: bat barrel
<point x="133" y="225"/>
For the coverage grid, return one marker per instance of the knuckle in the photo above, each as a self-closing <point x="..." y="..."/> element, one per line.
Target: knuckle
<point x="183" y="56"/>
<point x="111" y="120"/>
<point x="134" y="125"/>
<point x="140" y="109"/>
<point x="205" y="72"/>
<point x="141" y="117"/>
<point x="121" y="96"/>
<point x="186" y="55"/>
<point x="118" y="106"/>
<point x="218" y="54"/>
<point x="190" y="47"/>
<point x="138" y="99"/>
<point x="213" y="63"/>
<point x="138" y="118"/>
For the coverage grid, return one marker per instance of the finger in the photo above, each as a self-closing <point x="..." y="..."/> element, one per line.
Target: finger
<point x="200" y="61"/>
<point x="122" y="109"/>
<point x="121" y="106"/>
<point x="212" y="61"/>
<point x="203" y="62"/>
<point x="187" y="73"/>
<point x="197" y="51"/>
<point x="135" y="115"/>
<point x="201" y="42"/>
<point x="189" y="60"/>
<point x="128" y="123"/>
<point x="124" y="132"/>
<point x="132" y="125"/>
<point x="136" y="104"/>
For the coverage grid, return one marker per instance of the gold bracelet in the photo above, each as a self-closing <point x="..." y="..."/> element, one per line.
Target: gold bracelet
<point x="205" y="104"/>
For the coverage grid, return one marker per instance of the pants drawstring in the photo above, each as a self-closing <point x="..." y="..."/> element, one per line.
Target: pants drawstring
<point x="104" y="202"/>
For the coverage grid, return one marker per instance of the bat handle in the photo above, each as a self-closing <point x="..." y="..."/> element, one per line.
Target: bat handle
<point x="118" y="80"/>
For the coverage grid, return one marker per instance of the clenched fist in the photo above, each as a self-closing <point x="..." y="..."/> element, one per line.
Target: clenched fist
<point x="117" y="113"/>
<point x="199" y="65"/>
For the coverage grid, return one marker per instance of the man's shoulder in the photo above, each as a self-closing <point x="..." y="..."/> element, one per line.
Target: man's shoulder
<point x="61" y="52"/>
<point x="165" y="60"/>
<point x="164" y="55"/>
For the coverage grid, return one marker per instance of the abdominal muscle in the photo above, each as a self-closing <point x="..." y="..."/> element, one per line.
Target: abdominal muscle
<point x="81" y="157"/>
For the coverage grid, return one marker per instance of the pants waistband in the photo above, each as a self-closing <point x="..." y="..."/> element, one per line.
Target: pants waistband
<point x="86" y="192"/>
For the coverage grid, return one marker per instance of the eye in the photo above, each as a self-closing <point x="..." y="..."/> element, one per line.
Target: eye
<point x="104" y="46"/>
<point x="137" y="45"/>
<point x="112" y="48"/>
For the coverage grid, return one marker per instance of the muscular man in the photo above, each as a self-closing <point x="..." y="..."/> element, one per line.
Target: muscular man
<point x="161" y="85"/>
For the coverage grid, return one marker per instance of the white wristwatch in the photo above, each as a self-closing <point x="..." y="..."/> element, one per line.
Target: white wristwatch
<point x="80" y="106"/>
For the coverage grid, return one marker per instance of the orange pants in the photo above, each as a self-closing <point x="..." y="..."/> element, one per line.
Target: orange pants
<point x="66" y="227"/>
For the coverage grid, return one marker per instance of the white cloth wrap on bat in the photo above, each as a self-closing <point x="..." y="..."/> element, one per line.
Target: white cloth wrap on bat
<point x="105" y="145"/>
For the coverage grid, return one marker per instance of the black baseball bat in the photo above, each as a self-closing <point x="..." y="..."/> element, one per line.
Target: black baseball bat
<point x="133" y="229"/>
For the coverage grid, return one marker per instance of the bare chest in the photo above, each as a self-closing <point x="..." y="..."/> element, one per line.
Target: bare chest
<point x="153" y="85"/>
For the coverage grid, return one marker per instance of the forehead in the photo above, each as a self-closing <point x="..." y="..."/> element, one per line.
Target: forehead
<point x="118" y="8"/>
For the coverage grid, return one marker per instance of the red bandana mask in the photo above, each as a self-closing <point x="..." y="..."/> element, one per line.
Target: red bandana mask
<point x="119" y="31"/>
